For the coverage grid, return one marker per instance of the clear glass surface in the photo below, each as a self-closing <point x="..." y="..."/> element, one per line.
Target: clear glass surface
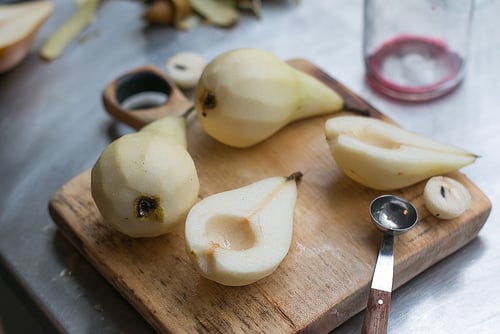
<point x="416" y="49"/>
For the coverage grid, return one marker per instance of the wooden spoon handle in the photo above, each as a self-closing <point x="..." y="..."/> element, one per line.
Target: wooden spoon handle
<point x="377" y="312"/>
<point x="143" y="79"/>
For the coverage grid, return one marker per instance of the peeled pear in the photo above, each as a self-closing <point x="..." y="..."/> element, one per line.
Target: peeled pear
<point x="384" y="156"/>
<point x="246" y="95"/>
<point x="19" y="24"/>
<point x="144" y="183"/>
<point x="240" y="236"/>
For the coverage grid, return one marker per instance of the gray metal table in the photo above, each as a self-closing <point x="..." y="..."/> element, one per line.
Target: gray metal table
<point x="53" y="126"/>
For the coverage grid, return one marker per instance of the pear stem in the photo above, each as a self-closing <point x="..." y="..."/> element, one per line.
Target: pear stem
<point x="188" y="112"/>
<point x="364" y="112"/>
<point x="295" y="176"/>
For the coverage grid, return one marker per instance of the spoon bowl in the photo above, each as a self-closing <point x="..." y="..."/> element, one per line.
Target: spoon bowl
<point x="392" y="214"/>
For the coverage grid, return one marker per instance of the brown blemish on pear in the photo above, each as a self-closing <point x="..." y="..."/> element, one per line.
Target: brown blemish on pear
<point x="148" y="207"/>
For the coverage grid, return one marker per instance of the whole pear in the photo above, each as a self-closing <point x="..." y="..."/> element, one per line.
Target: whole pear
<point x="240" y="236"/>
<point x="246" y="95"/>
<point x="144" y="183"/>
<point x="384" y="156"/>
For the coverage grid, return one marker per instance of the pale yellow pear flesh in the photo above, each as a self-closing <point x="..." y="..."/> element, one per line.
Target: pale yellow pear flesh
<point x="245" y="96"/>
<point x="19" y="24"/>
<point x="242" y="235"/>
<point x="384" y="156"/>
<point x="171" y="127"/>
<point x="144" y="183"/>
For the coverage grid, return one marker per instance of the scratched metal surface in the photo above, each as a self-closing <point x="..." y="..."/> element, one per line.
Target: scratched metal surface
<point x="53" y="126"/>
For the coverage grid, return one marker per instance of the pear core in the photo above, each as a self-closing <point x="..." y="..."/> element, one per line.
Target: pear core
<point x="230" y="232"/>
<point x="147" y="206"/>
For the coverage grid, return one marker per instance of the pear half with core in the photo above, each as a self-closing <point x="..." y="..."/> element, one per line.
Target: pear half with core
<point x="19" y="24"/>
<point x="240" y="236"/>
<point x="144" y="183"/>
<point x="246" y="95"/>
<point x="384" y="156"/>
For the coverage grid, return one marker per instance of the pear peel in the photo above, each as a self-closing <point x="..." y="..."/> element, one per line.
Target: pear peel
<point x="144" y="183"/>
<point x="240" y="236"/>
<point x="58" y="41"/>
<point x="245" y="96"/>
<point x="384" y="156"/>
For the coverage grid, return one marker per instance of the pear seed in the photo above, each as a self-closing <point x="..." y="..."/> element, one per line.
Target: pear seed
<point x="180" y="67"/>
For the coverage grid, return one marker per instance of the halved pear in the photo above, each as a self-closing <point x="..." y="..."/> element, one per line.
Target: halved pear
<point x="384" y="156"/>
<point x="19" y="24"/>
<point x="246" y="95"/>
<point x="240" y="236"/>
<point x="144" y="183"/>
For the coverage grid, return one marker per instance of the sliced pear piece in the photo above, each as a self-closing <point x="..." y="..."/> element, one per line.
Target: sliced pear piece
<point x="240" y="236"/>
<point x="144" y="183"/>
<point x="185" y="68"/>
<point x="445" y="197"/>
<point x="19" y="24"/>
<point x="384" y="156"/>
<point x="246" y="95"/>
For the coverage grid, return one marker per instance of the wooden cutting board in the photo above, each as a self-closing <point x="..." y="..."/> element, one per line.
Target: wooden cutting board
<point x="324" y="279"/>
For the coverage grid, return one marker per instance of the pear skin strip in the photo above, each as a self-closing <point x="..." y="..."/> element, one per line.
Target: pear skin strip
<point x="56" y="44"/>
<point x="216" y="12"/>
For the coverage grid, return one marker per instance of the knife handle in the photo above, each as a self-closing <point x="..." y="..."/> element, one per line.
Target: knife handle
<point x="377" y="312"/>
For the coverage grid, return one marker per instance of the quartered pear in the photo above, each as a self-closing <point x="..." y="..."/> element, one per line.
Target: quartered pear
<point x="384" y="156"/>
<point x="246" y="95"/>
<point x="240" y="236"/>
<point x="144" y="183"/>
<point x="19" y="24"/>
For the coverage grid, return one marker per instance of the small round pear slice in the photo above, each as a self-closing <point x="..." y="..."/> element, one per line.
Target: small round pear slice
<point x="384" y="156"/>
<point x="446" y="198"/>
<point x="185" y="69"/>
<point x="240" y="236"/>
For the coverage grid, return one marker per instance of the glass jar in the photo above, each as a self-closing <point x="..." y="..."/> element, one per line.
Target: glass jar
<point x="416" y="50"/>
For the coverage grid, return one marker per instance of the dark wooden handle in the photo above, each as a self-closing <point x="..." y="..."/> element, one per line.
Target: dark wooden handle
<point x="143" y="79"/>
<point x="377" y="312"/>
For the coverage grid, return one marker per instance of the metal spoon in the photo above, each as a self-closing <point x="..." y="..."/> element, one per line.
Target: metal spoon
<point x="393" y="215"/>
